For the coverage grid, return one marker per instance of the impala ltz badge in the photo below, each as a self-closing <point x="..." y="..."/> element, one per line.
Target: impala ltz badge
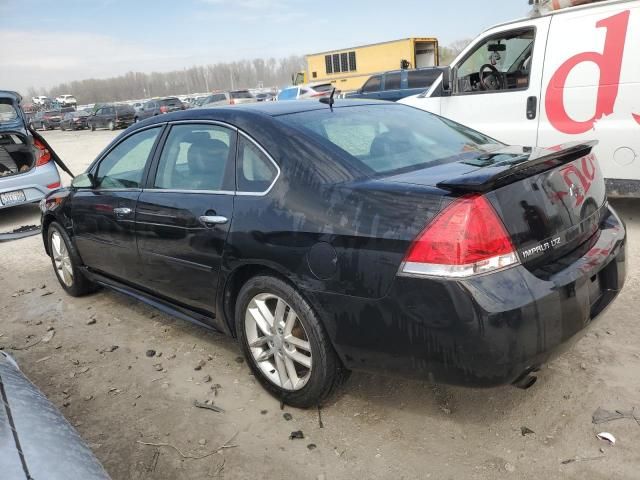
<point x="540" y="248"/>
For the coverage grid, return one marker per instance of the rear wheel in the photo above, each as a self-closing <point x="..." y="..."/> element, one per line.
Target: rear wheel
<point x="285" y="344"/>
<point x="66" y="263"/>
<point x="111" y="125"/>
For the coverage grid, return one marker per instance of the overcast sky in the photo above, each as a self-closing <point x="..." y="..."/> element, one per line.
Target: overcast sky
<point x="43" y="43"/>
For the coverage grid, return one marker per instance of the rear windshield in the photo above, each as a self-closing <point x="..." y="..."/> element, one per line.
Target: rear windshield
<point x="7" y="113"/>
<point x="170" y="102"/>
<point x="386" y="138"/>
<point x="241" y="94"/>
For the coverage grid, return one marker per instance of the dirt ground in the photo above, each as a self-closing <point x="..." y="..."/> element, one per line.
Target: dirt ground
<point x="377" y="428"/>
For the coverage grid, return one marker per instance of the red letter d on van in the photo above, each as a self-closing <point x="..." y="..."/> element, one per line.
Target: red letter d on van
<point x="609" y="62"/>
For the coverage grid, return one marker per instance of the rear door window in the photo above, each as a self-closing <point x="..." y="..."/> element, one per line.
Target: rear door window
<point x="421" y="78"/>
<point x="392" y="81"/>
<point x="123" y="166"/>
<point x="197" y="157"/>
<point x="288" y="94"/>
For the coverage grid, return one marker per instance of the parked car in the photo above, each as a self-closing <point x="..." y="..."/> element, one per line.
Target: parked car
<point x="46" y="120"/>
<point x="563" y="76"/>
<point x="302" y="92"/>
<point x="369" y="235"/>
<point x="67" y="100"/>
<point x="112" y="117"/>
<point x="27" y="169"/>
<point x="37" y="441"/>
<point x="158" y="106"/>
<point x="264" y="97"/>
<point x="41" y="100"/>
<point x="74" y="120"/>
<point x="234" y="97"/>
<point x="397" y="84"/>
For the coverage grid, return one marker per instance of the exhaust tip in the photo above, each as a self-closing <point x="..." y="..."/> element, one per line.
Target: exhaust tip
<point x="526" y="380"/>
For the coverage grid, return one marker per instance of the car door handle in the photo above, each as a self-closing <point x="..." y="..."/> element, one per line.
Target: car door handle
<point x="122" y="211"/>
<point x="532" y="107"/>
<point x="213" y="220"/>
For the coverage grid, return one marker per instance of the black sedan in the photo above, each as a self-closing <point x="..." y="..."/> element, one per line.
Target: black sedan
<point x="74" y="120"/>
<point x="352" y="236"/>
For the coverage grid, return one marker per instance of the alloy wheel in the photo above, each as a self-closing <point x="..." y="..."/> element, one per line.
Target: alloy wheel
<point x="278" y="341"/>
<point x="61" y="259"/>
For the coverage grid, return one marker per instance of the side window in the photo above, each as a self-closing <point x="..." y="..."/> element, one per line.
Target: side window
<point x="372" y="85"/>
<point x="422" y="78"/>
<point x="124" y="165"/>
<point x="255" y="171"/>
<point x="499" y="63"/>
<point x="197" y="157"/>
<point x="392" y="81"/>
<point x="288" y="94"/>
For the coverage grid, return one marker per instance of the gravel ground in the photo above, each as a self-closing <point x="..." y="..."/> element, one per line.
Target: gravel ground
<point x="377" y="428"/>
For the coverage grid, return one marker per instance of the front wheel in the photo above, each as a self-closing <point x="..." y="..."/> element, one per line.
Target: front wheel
<point x="285" y="344"/>
<point x="66" y="263"/>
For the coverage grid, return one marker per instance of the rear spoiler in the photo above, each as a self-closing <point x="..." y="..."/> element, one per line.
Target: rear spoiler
<point x="531" y="163"/>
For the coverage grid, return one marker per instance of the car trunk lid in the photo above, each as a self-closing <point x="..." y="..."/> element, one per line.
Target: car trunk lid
<point x="549" y="200"/>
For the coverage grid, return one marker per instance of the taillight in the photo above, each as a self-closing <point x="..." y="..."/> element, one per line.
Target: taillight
<point x="51" y="186"/>
<point x="164" y="109"/>
<point x="43" y="155"/>
<point x="467" y="238"/>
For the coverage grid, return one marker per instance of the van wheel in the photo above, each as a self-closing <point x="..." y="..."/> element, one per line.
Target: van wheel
<point x="93" y="127"/>
<point x="285" y="344"/>
<point x="111" y="126"/>
<point x="66" y="263"/>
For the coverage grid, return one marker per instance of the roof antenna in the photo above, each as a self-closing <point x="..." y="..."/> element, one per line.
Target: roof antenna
<point x="329" y="100"/>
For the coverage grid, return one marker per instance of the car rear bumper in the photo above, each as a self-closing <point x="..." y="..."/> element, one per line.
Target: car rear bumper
<point x="482" y="332"/>
<point x="33" y="183"/>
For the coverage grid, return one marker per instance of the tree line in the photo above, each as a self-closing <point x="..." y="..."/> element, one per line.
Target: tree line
<point x="220" y="76"/>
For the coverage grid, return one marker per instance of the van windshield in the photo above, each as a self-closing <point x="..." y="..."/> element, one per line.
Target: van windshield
<point x="385" y="138"/>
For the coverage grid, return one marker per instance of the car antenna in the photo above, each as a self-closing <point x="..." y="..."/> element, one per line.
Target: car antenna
<point x="329" y="100"/>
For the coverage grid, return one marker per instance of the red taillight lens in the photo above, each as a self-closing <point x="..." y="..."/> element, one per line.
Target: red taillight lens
<point x="466" y="238"/>
<point x="51" y="186"/>
<point x="164" y="109"/>
<point x="43" y="155"/>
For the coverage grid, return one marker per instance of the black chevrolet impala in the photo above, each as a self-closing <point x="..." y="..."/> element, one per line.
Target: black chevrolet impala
<point x="353" y="236"/>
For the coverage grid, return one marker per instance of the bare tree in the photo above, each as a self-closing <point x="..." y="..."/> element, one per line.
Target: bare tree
<point x="450" y="52"/>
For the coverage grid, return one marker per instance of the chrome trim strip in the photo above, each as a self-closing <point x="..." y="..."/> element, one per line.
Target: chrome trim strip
<point x="171" y="190"/>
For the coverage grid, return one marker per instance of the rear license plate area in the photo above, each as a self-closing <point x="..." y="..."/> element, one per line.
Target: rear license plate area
<point x="9" y="198"/>
<point x="595" y="288"/>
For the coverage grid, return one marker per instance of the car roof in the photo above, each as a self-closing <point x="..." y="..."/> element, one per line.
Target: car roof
<point x="247" y="110"/>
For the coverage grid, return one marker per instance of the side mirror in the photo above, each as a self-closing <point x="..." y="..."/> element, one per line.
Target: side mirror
<point x="446" y="80"/>
<point x="84" y="180"/>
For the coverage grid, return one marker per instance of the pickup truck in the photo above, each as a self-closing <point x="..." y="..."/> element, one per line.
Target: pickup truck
<point x="397" y="84"/>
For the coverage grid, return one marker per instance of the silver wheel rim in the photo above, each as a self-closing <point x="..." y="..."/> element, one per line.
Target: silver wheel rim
<point x="278" y="341"/>
<point x="61" y="259"/>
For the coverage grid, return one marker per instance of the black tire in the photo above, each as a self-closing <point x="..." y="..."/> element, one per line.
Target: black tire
<point x="81" y="285"/>
<point x="327" y="372"/>
<point x="62" y="127"/>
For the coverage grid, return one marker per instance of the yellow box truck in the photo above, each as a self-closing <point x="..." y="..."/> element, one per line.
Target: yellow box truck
<point x="349" y="68"/>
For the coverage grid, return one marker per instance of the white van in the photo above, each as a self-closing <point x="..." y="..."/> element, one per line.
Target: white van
<point x="565" y="75"/>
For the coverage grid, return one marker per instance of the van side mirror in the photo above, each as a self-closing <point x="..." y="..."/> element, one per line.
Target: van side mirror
<point x="84" y="180"/>
<point x="446" y="80"/>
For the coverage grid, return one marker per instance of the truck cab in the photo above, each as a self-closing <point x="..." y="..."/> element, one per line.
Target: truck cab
<point x="560" y="76"/>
